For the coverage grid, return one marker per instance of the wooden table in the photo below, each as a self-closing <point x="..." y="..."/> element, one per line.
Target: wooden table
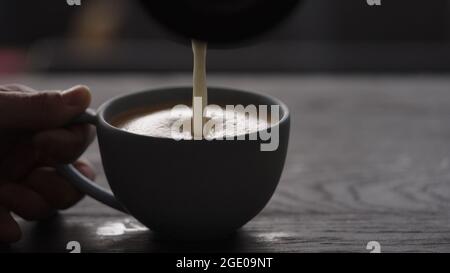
<point x="369" y="160"/>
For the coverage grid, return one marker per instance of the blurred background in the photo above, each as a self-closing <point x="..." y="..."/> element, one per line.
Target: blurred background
<point x="322" y="36"/>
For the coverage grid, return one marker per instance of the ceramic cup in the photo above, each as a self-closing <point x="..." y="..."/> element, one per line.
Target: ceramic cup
<point x="156" y="181"/>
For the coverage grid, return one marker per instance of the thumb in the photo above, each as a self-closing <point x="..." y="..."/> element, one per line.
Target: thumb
<point x="42" y="110"/>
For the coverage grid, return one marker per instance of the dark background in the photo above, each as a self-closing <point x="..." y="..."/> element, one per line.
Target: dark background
<point x="321" y="36"/>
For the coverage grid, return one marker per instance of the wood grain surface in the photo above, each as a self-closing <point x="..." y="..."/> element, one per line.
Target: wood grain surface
<point x="369" y="160"/>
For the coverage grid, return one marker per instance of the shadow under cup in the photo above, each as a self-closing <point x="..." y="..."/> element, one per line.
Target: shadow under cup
<point x="190" y="189"/>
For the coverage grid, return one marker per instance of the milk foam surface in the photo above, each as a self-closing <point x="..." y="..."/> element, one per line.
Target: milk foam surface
<point x="167" y="123"/>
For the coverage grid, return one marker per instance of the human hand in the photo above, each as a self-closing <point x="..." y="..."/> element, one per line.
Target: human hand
<point x="33" y="140"/>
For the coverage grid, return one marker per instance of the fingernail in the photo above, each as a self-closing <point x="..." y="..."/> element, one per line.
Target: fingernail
<point x="76" y="96"/>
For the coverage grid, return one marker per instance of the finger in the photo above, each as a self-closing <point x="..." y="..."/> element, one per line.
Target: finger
<point x="17" y="87"/>
<point x="24" y="202"/>
<point x="42" y="110"/>
<point x="54" y="188"/>
<point x="19" y="161"/>
<point x="9" y="229"/>
<point x="85" y="168"/>
<point x="47" y="148"/>
<point x="63" y="145"/>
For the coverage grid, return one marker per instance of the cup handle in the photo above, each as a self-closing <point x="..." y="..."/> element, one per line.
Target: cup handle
<point x="81" y="182"/>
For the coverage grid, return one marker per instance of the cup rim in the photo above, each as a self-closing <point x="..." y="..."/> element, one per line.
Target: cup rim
<point x="104" y="106"/>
